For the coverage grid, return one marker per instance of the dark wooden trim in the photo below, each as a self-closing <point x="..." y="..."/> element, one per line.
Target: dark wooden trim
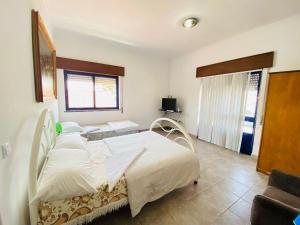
<point x="54" y="73"/>
<point x="93" y="75"/>
<point x="66" y="90"/>
<point x="38" y="27"/>
<point x="92" y="67"/>
<point x="44" y="32"/>
<point x="254" y="62"/>
<point x="94" y="92"/>
<point x="36" y="56"/>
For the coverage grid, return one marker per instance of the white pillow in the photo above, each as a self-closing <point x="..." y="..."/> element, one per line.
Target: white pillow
<point x="73" y="141"/>
<point x="67" y="173"/>
<point x="68" y="127"/>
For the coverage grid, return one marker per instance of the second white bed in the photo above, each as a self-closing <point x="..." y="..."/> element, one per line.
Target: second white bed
<point x="109" y="129"/>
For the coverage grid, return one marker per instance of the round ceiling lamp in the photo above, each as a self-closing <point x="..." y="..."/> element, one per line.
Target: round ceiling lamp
<point x="190" y="22"/>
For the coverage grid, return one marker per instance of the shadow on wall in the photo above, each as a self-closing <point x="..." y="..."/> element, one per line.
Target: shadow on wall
<point x="14" y="177"/>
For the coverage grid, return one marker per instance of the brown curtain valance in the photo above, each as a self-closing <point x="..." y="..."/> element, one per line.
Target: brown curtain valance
<point x="92" y="67"/>
<point x="254" y="62"/>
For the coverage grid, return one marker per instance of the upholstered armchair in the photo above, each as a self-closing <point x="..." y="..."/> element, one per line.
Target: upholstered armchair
<point x="280" y="202"/>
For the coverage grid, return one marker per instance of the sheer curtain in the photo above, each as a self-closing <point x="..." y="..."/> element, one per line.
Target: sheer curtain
<point x="222" y="103"/>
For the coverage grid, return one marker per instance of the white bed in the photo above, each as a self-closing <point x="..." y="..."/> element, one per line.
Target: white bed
<point x="109" y="129"/>
<point x="162" y="166"/>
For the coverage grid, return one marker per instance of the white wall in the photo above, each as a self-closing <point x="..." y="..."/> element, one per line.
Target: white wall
<point x="144" y="84"/>
<point x="283" y="37"/>
<point x="19" y="110"/>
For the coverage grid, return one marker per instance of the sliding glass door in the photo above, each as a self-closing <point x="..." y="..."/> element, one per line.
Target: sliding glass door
<point x="249" y="122"/>
<point x="221" y="112"/>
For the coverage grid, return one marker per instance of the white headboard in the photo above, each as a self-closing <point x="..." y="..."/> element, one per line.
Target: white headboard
<point x="43" y="141"/>
<point x="174" y="127"/>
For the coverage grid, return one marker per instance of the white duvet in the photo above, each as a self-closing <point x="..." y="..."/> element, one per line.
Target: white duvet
<point x="163" y="167"/>
<point x="153" y="166"/>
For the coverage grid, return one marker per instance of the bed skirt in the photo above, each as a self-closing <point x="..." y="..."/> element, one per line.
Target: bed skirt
<point x="81" y="209"/>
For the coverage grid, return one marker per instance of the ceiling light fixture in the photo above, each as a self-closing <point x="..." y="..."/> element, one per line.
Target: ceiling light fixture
<point x="190" y="22"/>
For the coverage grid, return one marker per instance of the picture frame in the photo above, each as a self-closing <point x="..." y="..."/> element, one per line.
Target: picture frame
<point x="44" y="60"/>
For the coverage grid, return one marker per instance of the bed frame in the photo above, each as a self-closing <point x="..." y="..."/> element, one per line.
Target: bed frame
<point x="44" y="141"/>
<point x="175" y="128"/>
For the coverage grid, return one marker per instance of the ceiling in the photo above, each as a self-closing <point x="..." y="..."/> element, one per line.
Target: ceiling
<point x="156" y="24"/>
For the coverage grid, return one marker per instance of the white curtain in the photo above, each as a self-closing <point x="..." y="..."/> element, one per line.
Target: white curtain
<point x="222" y="103"/>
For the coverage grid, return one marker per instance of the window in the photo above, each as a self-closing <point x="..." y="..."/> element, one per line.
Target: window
<point x="86" y="91"/>
<point x="252" y="94"/>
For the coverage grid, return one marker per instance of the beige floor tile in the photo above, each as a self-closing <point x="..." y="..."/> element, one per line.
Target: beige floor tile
<point x="260" y="186"/>
<point x="192" y="213"/>
<point x="242" y="209"/>
<point x="249" y="196"/>
<point x="229" y="218"/>
<point x="155" y="213"/>
<point x="217" y="198"/>
<point x="230" y="185"/>
<point x="191" y="191"/>
<point x="242" y="175"/>
<point x="211" y="176"/>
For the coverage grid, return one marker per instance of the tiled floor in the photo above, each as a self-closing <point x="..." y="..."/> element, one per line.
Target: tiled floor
<point x="223" y="195"/>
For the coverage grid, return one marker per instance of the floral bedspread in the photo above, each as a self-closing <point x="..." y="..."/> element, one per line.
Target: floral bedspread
<point x="63" y="211"/>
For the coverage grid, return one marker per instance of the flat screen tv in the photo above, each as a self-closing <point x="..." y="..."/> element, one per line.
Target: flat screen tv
<point x="168" y="104"/>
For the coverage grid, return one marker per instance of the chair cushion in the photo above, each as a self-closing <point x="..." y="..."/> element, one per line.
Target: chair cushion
<point x="282" y="196"/>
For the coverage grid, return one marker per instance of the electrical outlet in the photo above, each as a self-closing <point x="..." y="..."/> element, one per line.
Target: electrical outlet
<point x="6" y="149"/>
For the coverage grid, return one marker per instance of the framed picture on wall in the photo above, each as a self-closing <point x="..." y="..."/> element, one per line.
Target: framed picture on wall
<point x="44" y="60"/>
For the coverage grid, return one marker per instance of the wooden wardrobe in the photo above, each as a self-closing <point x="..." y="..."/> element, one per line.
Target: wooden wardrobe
<point x="280" y="144"/>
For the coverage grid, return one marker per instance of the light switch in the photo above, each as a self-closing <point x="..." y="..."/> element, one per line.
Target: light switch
<point x="6" y="149"/>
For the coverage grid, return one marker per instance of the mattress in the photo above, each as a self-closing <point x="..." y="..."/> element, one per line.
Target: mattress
<point x="123" y="126"/>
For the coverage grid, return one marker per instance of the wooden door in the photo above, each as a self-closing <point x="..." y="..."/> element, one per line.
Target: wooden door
<point x="280" y="144"/>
